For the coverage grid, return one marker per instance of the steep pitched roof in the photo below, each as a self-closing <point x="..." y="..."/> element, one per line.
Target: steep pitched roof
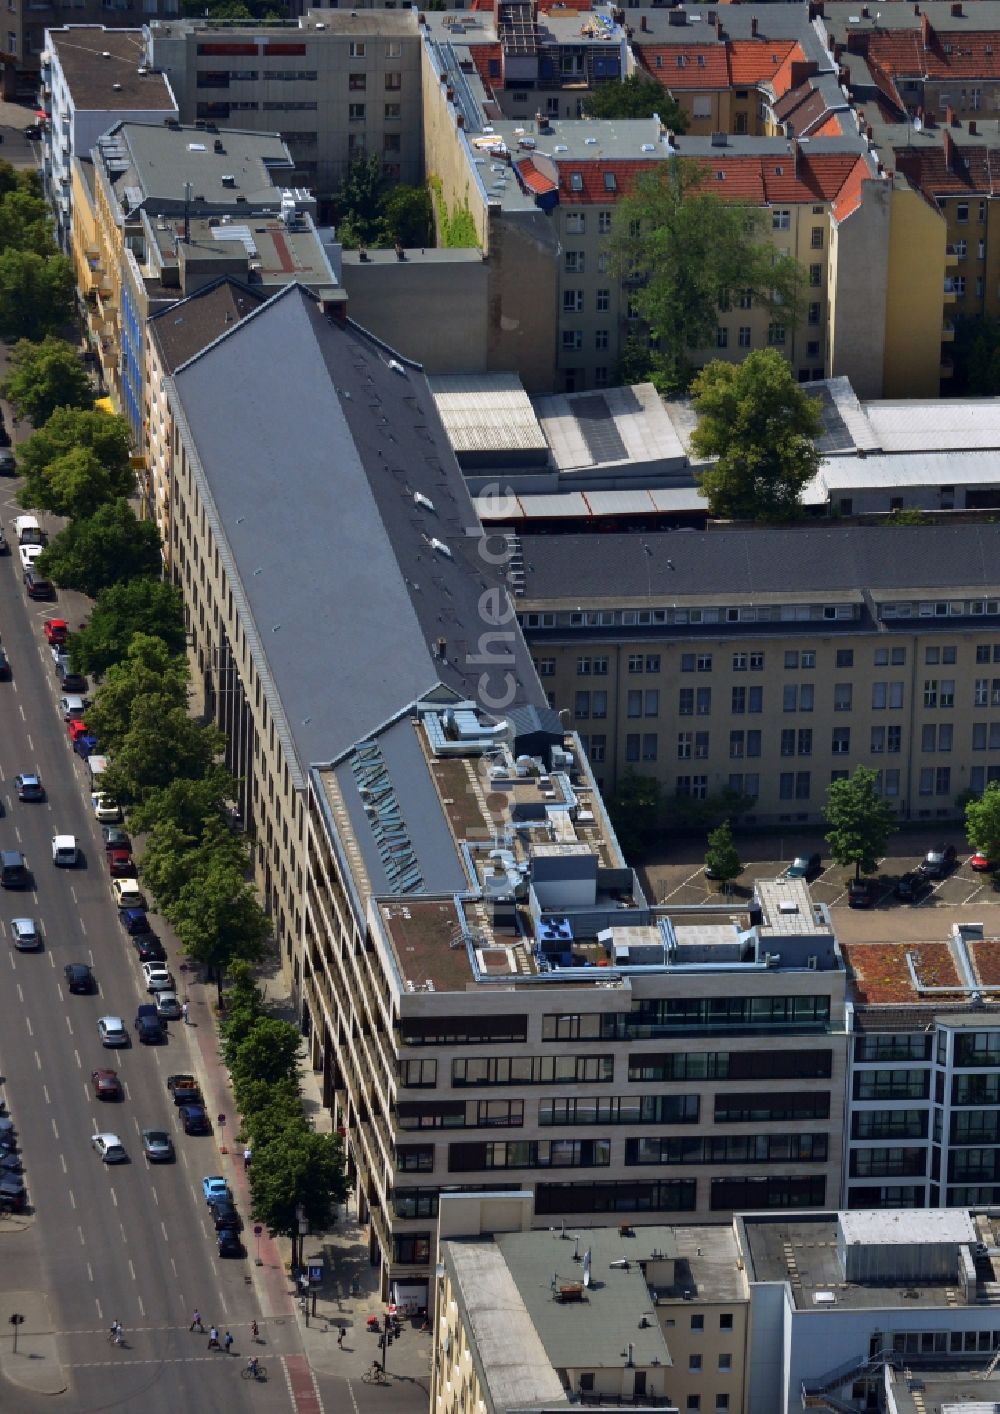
<point x="969" y="170"/>
<point x="753" y="61"/>
<point x="813" y="178"/>
<point x="973" y="54"/>
<point x="594" y="186"/>
<point x="533" y="179"/>
<point x="489" y="63"/>
<point x="686" y="66"/>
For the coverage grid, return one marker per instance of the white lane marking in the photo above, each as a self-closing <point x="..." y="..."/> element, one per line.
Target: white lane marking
<point x="90" y="1273"/>
<point x="45" y="1092"/>
<point x="69" y="1026"/>
<point x="156" y="1198"/>
<point x="163" y="1229"/>
<point x="31" y="748"/>
<point x="142" y="1309"/>
<point x="73" y="893"/>
<point x="114" y="1197"/>
<point x="21" y="710"/>
<point x="72" y="1199"/>
<point x="20" y="994"/>
<point x="83" y="929"/>
<point x="38" y="1060"/>
<point x="62" y="1160"/>
<point x="131" y="1268"/>
<point x="55" y="1131"/>
<point x="79" y="1062"/>
<point x="27" y="1022"/>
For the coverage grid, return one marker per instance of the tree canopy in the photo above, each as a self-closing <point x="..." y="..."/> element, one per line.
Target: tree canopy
<point x="105" y="548"/>
<point x="761" y="428"/>
<point x="635" y="810"/>
<point x="139" y="606"/>
<point x="149" y="669"/>
<point x="859" y="821"/>
<point x="637" y="96"/>
<point x="66" y="430"/>
<point x="982" y="822"/>
<point x="217" y="918"/>
<point x="297" y="1169"/>
<point x="372" y="211"/>
<point x="188" y="804"/>
<point x="45" y="376"/>
<point x="162" y="744"/>
<point x="683" y="252"/>
<point x="36" y="293"/>
<point x="722" y="858"/>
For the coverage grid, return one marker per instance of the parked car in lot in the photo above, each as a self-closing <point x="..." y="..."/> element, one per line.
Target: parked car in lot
<point x="111" y="1030"/>
<point x="25" y="934"/>
<point x="110" y="1148"/>
<point x="65" y="851"/>
<point x="29" y="787"/>
<point x="805" y="866"/>
<point x="911" y="886"/>
<point x="938" y="861"/>
<point x="195" y="1119"/>
<point x="157" y="1145"/>
<point x="861" y="893"/>
<point x="981" y="863"/>
<point x="106" y="1084"/>
<point x="79" y="978"/>
<point x="184" y="1089"/>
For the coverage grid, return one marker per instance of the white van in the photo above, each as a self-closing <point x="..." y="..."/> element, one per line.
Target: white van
<point x="28" y="531"/>
<point x="65" y="852"/>
<point x="96" y="765"/>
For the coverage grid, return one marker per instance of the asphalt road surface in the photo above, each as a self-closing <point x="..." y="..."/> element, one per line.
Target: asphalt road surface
<point x="130" y="1242"/>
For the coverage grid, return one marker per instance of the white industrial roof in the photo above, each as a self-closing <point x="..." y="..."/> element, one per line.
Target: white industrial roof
<point x="943" y="424"/>
<point x="486" y="412"/>
<point x="900" y="1226"/>
<point x="637" y="413"/>
<point x="581" y="504"/>
<point x="841" y="474"/>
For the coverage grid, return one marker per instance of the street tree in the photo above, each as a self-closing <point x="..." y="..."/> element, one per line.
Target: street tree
<point x="74" y="484"/>
<point x="36" y="294"/>
<point x="190" y="805"/>
<point x="683" y="251"/>
<point x="267" y="1110"/>
<point x="149" y="669"/>
<point x="165" y="866"/>
<point x="761" y="429"/>
<point x="160" y="746"/>
<point x="26" y="222"/>
<point x="218" y="918"/>
<point x="45" y="376"/>
<point x="859" y="821"/>
<point x="69" y="428"/>
<point x="982" y="822"/>
<point x="636" y="808"/>
<point x="141" y="606"/>
<point x="299" y="1171"/>
<point x="722" y="858"/>
<point x="270" y="1051"/>
<point x="637" y="96"/>
<point x="95" y="551"/>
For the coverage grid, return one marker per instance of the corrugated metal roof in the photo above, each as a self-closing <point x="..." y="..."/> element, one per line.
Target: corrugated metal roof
<point x="487" y="412"/>
<point x="571" y="503"/>
<point x="936" y="426"/>
<point x="927" y="469"/>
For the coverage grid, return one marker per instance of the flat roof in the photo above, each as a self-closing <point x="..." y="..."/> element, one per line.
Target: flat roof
<point x="902" y="1227"/>
<point x="275" y="252"/>
<point x="487" y="412"/>
<point x="788" y="908"/>
<point x="936" y="425"/>
<point x="105" y="70"/>
<point x="948" y="1389"/>
<point x="151" y="162"/>
<point x="924" y="975"/>
<point x="610" y="427"/>
<point x="590" y="140"/>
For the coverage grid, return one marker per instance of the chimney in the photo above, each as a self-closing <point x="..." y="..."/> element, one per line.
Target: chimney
<point x="643" y="23"/>
<point x="949" y="150"/>
<point x="926" y="32"/>
<point x="718" y="28"/>
<point x="815" y="9"/>
<point x="753" y="26"/>
<point x="956" y="10"/>
<point x="460" y="120"/>
<point x="857" y="41"/>
<point x="949" y="116"/>
<point x="972" y="127"/>
<point x="865" y="15"/>
<point x="916" y="8"/>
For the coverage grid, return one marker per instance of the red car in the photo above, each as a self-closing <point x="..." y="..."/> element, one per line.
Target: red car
<point x="77" y="727"/>
<point x="106" y="1084"/>
<point x="56" y="630"/>
<point x="120" y="864"/>
<point x="980" y="863"/>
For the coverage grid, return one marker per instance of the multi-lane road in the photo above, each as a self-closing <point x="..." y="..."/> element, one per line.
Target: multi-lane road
<point x="130" y="1242"/>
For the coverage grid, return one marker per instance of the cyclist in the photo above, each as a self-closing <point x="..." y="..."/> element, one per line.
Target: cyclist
<point x="116" y="1334"/>
<point x="376" y="1371"/>
<point x="252" y="1364"/>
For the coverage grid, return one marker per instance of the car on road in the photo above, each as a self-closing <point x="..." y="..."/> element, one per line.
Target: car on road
<point x="73" y="682"/>
<point x="35" y="584"/>
<point x="229" y="1242"/>
<point x="105" y="807"/>
<point x="111" y="1030"/>
<point x="981" y="863"/>
<point x="149" y="947"/>
<point x="32" y="132"/>
<point x="5" y="672"/>
<point x="12" y="1193"/>
<point x="127" y="893"/>
<point x="72" y="706"/>
<point x="911" y="886"/>
<point x="157" y="977"/>
<point x="115" y="838"/>
<point x="8" y="462"/>
<point x="65" y="851"/>
<point x="149" y="1025"/>
<point x="80" y="978"/>
<point x="60" y="659"/>
<point x="106" y="1084"/>
<point x="29" y="554"/>
<point x="25" y="935"/>
<point x="55" y="630"/>
<point x="937" y="861"/>
<point x="168" y="1005"/>
<point x="121" y="865"/>
<point x="157" y="1145"/>
<point x="110" y="1148"/>
<point x="27" y="531"/>
<point x="224" y="1214"/>
<point x="194" y="1118"/>
<point x="14" y="871"/>
<point x="184" y="1089"/>
<point x="805" y="866"/>
<point x="214" y="1188"/>
<point x="861" y="893"/>
<point x="29" y="787"/>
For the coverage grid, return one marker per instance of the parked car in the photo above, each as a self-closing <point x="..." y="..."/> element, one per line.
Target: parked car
<point x="4" y="662"/>
<point x="127" y="893"/>
<point x="85" y="745"/>
<point x="229" y="1242"/>
<point x="157" y="1145"/>
<point x="110" y="1148"/>
<point x="134" y="920"/>
<point x="805" y="866"/>
<point x="36" y="585"/>
<point x="981" y="863"/>
<point x="167" y="1005"/>
<point x="72" y="706"/>
<point x="157" y="977"/>
<point x="911" y="886"/>
<point x="938" y="861"/>
<point x="105" y="807"/>
<point x="121" y="865"/>
<point x="195" y="1119"/>
<point x="106" y="1084"/>
<point x="861" y="893"/>
<point x="55" y="630"/>
<point x="184" y="1089"/>
<point x="8" y="462"/>
<point x="75" y="728"/>
<point x="149" y="947"/>
<point x="115" y="838"/>
<point x="29" y="554"/>
<point x="79" y="977"/>
<point x="224" y="1214"/>
<point x="73" y="682"/>
<point x="32" y="132"/>
<point x="214" y="1187"/>
<point x="12" y="1193"/>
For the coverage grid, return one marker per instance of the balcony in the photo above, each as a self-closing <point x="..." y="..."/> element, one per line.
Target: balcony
<point x="950" y="292"/>
<point x="951" y="256"/>
<point x="947" y="333"/>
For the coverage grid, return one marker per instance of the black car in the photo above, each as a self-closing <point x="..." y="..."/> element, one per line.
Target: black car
<point x="149" y="947"/>
<point x="79" y="977"/>
<point x="229" y="1242"/>
<point x="37" y="586"/>
<point x="861" y="893"/>
<point x="12" y="1193"/>
<point x="149" y="1025"/>
<point x="938" y="861"/>
<point x="115" y="837"/>
<point x="224" y="1214"/>
<point x="32" y="132"/>
<point x="194" y="1118"/>
<point x="911" y="886"/>
<point x="75" y="683"/>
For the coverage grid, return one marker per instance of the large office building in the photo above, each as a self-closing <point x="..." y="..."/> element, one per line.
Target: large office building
<point x="773" y="661"/>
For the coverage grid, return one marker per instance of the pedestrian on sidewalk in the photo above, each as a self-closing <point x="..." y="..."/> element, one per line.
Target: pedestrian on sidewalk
<point x="247" y="1155"/>
<point x="228" y="1342"/>
<point x="213" y="1339"/>
<point x="340" y="1338"/>
<point x="254" y="1332"/>
<point x="186" y="1013"/>
<point x="196" y="1323"/>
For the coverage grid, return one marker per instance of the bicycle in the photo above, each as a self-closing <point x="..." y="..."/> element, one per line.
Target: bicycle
<point x="374" y="1377"/>
<point x="254" y="1372"/>
<point x="116" y="1336"/>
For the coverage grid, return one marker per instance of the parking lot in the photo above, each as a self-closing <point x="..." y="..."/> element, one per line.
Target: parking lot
<point x="679" y="877"/>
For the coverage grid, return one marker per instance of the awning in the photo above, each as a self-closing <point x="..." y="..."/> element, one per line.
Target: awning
<point x="409" y="1296"/>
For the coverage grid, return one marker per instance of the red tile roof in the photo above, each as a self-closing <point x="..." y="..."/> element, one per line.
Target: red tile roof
<point x="482" y="55"/>
<point x="533" y="179"/>
<point x="888" y="91"/>
<point x="594" y="191"/>
<point x="819" y="177"/>
<point x="686" y="66"/>
<point x="848" y="199"/>
<point x="754" y="61"/>
<point x="970" y="171"/>
<point x="973" y="54"/>
<point x="833" y="126"/>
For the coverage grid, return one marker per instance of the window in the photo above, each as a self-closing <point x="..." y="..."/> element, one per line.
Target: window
<point x="683" y="746"/>
<point x="946" y="696"/>
<point x="701" y="746"/>
<point x="649" y="746"/>
<point x="604" y="223"/>
<point x="781" y="220"/>
<point x="576" y="223"/>
<point x="600" y="339"/>
<point x="356" y="48"/>
<point x="393" y="82"/>
<point x="725" y="1324"/>
<point x="572" y="340"/>
<point x="355" y="112"/>
<point x="776" y="335"/>
<point x="603" y="301"/>
<point x="815" y="275"/>
<point x="685" y="706"/>
<point x="357" y="83"/>
<point x="743" y="338"/>
<point x="962" y="211"/>
<point x="393" y="49"/>
<point x="574" y="262"/>
<point x="393" y="111"/>
<point x="843" y="694"/>
<point x="816" y="238"/>
<point x="651" y="702"/>
<point x="841" y="743"/>
<point x="634" y="704"/>
<point x="815" y="312"/>
<point x="930" y="692"/>
<point x="739" y="699"/>
<point x="722" y="337"/>
<point x="703" y="701"/>
<point x="572" y="301"/>
<point x="697" y="1323"/>
<point x="694" y="1363"/>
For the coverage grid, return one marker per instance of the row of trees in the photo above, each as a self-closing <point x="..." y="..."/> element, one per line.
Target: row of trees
<point x="36" y="282"/>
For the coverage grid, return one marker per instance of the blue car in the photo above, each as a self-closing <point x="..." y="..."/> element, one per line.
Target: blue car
<point x="229" y="1243"/>
<point x="215" y="1188"/>
<point x="195" y="1119"/>
<point x="85" y="745"/>
<point x="134" y="920"/>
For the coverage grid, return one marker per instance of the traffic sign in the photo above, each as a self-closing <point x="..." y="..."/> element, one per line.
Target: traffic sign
<point x="222" y="1120"/>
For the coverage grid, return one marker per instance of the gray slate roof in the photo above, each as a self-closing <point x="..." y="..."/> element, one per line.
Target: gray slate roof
<point x="759" y="561"/>
<point x="311" y="448"/>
